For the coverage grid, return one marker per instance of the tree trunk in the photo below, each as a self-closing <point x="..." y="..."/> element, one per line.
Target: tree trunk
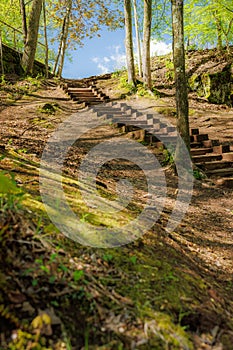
<point x="219" y="30"/>
<point x="64" y="37"/>
<point x="146" y="43"/>
<point x="180" y="76"/>
<point x="24" y="20"/>
<point x="46" y="42"/>
<point x="1" y="54"/>
<point x="59" y="49"/>
<point x="129" y="42"/>
<point x="30" y="46"/>
<point x="138" y="39"/>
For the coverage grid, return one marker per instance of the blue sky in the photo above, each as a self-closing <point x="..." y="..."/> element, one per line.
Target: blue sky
<point x="97" y="56"/>
<point x="103" y="54"/>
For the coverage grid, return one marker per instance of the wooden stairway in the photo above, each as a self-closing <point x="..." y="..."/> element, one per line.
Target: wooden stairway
<point x="210" y="156"/>
<point x="214" y="159"/>
<point x="87" y="95"/>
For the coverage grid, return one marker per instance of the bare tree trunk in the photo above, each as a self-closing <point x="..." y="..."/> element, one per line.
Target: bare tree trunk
<point x="146" y="43"/>
<point x="180" y="76"/>
<point x="226" y="34"/>
<point x="138" y="39"/>
<point x="219" y="30"/>
<point x="30" y="46"/>
<point x="64" y="38"/>
<point x="129" y="43"/>
<point x="24" y="20"/>
<point x="1" y="54"/>
<point x="46" y="42"/>
<point x="59" y="49"/>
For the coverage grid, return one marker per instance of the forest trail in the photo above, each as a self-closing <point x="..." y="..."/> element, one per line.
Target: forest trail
<point x="187" y="274"/>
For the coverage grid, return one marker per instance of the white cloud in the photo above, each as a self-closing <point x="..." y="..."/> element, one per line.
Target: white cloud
<point x="106" y="59"/>
<point x="117" y="59"/>
<point x="95" y="59"/>
<point x="103" y="69"/>
<point x="160" y="48"/>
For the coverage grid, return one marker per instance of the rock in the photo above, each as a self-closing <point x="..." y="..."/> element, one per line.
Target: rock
<point x="214" y="85"/>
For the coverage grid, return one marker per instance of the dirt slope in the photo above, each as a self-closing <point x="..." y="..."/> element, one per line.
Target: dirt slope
<point x="164" y="291"/>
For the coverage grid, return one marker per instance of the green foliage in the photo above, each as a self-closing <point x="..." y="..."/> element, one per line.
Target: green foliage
<point x="198" y="175"/>
<point x="10" y="194"/>
<point x="10" y="14"/>
<point x="168" y="157"/>
<point x="107" y="257"/>
<point x="161" y="18"/>
<point x="7" y="185"/>
<point x="33" y="335"/>
<point x="133" y="259"/>
<point x="170" y="74"/>
<point x="87" y="18"/>
<point x="167" y="111"/>
<point x="48" y="108"/>
<point x="205" y="20"/>
<point x="77" y="275"/>
<point x="118" y="72"/>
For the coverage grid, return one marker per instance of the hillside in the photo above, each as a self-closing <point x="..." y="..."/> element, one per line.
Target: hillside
<point x="161" y="291"/>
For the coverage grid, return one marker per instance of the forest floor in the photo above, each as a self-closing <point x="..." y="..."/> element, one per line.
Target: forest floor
<point x="162" y="291"/>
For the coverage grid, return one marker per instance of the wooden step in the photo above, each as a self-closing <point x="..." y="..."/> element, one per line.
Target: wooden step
<point x="206" y="158"/>
<point x="228" y="156"/>
<point x="210" y="143"/>
<point x="86" y="99"/>
<point x="167" y="139"/>
<point x="195" y="145"/>
<point x="214" y="165"/>
<point x="225" y="182"/>
<point x="220" y="172"/>
<point x="201" y="151"/>
<point x="82" y="94"/>
<point x="78" y="90"/>
<point x="199" y="137"/>
<point x="133" y="122"/>
<point x="221" y="149"/>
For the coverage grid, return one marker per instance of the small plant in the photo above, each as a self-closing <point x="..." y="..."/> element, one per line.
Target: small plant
<point x="133" y="259"/>
<point x="168" y="157"/>
<point x="34" y="81"/>
<point x="2" y="80"/>
<point x="48" y="108"/>
<point x="77" y="275"/>
<point x="107" y="257"/>
<point x="142" y="91"/>
<point x="10" y="194"/>
<point x="198" y="175"/>
<point x="118" y="73"/>
<point x="169" y="75"/>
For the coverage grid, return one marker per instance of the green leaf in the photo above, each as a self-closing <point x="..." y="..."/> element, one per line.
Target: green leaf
<point x="77" y="275"/>
<point x="7" y="186"/>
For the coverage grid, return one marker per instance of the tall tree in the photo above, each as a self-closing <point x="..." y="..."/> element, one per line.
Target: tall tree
<point x="137" y="38"/>
<point x="24" y="19"/>
<point x="64" y="37"/>
<point x="83" y="19"/>
<point x="208" y="22"/>
<point x="29" y="52"/>
<point x="129" y="42"/>
<point x="46" y="41"/>
<point x="146" y="43"/>
<point x="180" y="76"/>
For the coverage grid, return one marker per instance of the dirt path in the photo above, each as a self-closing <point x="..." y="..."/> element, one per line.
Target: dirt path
<point x="204" y="237"/>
